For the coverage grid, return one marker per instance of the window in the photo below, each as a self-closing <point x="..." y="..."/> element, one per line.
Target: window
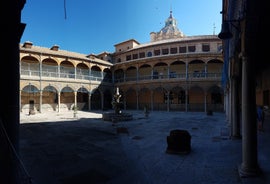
<point x="166" y="97"/>
<point x="182" y="49"/>
<point x="216" y="98"/>
<point x="173" y="50"/>
<point x="149" y="54"/>
<point x="172" y="74"/>
<point x="181" y="97"/>
<point x="191" y="48"/>
<point x="142" y="54"/>
<point x="157" y="52"/>
<point x="205" y="48"/>
<point x="165" y="51"/>
<point x="135" y="56"/>
<point x="128" y="57"/>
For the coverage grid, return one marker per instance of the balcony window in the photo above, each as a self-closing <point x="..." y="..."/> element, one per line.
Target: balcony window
<point x="165" y="51"/>
<point x="182" y="49"/>
<point x="142" y="55"/>
<point x="128" y="57"/>
<point x="173" y="50"/>
<point x="205" y="48"/>
<point x="191" y="48"/>
<point x="149" y="54"/>
<point x="135" y="56"/>
<point x="157" y="52"/>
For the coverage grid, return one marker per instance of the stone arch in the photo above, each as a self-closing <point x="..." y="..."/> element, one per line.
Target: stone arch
<point x="82" y="98"/>
<point x="196" y="98"/>
<point x="30" y="98"/>
<point x="96" y="99"/>
<point x="144" y="98"/>
<point x="158" y="98"/>
<point x="67" y="98"/>
<point x="131" y="98"/>
<point x="49" y="98"/>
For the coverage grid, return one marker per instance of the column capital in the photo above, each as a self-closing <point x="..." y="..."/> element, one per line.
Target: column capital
<point x="242" y="55"/>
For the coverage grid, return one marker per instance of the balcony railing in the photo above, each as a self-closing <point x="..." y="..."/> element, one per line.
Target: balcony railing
<point x="179" y="76"/>
<point x="93" y="77"/>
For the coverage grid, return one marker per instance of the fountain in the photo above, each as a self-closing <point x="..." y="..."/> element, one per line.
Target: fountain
<point x="117" y="115"/>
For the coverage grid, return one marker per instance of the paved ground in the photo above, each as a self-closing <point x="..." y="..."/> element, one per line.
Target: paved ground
<point x="57" y="148"/>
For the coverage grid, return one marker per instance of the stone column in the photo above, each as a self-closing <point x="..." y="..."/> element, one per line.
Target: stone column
<point x="10" y="81"/>
<point x="152" y="100"/>
<point x="249" y="165"/>
<point x="234" y="105"/>
<point x="89" y="101"/>
<point x="125" y="100"/>
<point x="137" y="99"/>
<point x="186" y="102"/>
<point x="168" y="101"/>
<point x="75" y="99"/>
<point x="205" y="102"/>
<point x="40" y="101"/>
<point x="102" y="100"/>
<point x="187" y="71"/>
<point x="137" y="73"/>
<point x="59" y="101"/>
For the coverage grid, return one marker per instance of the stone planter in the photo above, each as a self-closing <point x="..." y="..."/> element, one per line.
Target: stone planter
<point x="209" y="113"/>
<point x="179" y="142"/>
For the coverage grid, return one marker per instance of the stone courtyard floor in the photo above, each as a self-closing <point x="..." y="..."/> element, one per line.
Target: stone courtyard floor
<point x="60" y="148"/>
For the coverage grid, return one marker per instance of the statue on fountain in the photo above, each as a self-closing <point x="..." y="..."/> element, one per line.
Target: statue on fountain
<point x="117" y="115"/>
<point x="116" y="102"/>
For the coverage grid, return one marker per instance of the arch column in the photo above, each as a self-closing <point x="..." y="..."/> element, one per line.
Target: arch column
<point x="186" y="100"/>
<point x="40" y="101"/>
<point x="125" y="100"/>
<point x="59" y="101"/>
<point x="102" y="100"/>
<point x="137" y="99"/>
<point x="75" y="99"/>
<point x="205" y="102"/>
<point x="187" y="71"/>
<point x="235" y="108"/>
<point x="137" y="73"/>
<point x="152" y="100"/>
<point x="249" y="165"/>
<point x="89" y="101"/>
<point x="168" y="71"/>
<point x="168" y="100"/>
<point x="20" y="100"/>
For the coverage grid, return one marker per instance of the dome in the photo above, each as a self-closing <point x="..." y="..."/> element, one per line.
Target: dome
<point x="170" y="30"/>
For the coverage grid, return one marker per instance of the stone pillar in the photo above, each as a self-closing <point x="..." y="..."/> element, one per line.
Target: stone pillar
<point x="152" y="100"/>
<point x="234" y="105"/>
<point x="10" y="81"/>
<point x="186" y="102"/>
<point x="249" y="165"/>
<point x="125" y="100"/>
<point x="187" y="71"/>
<point x="102" y="100"/>
<point x="59" y="101"/>
<point x="230" y="108"/>
<point x="89" y="101"/>
<point x="205" y="102"/>
<point x="40" y="101"/>
<point x="75" y="99"/>
<point x="168" y="101"/>
<point x="137" y="99"/>
<point x="137" y="73"/>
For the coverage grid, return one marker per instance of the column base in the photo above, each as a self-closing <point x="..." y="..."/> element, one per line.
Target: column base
<point x="248" y="172"/>
<point x="236" y="137"/>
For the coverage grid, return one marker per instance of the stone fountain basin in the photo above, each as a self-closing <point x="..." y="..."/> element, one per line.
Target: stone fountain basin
<point x="112" y="116"/>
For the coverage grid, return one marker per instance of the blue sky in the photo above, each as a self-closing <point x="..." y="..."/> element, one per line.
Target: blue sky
<point x="94" y="26"/>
